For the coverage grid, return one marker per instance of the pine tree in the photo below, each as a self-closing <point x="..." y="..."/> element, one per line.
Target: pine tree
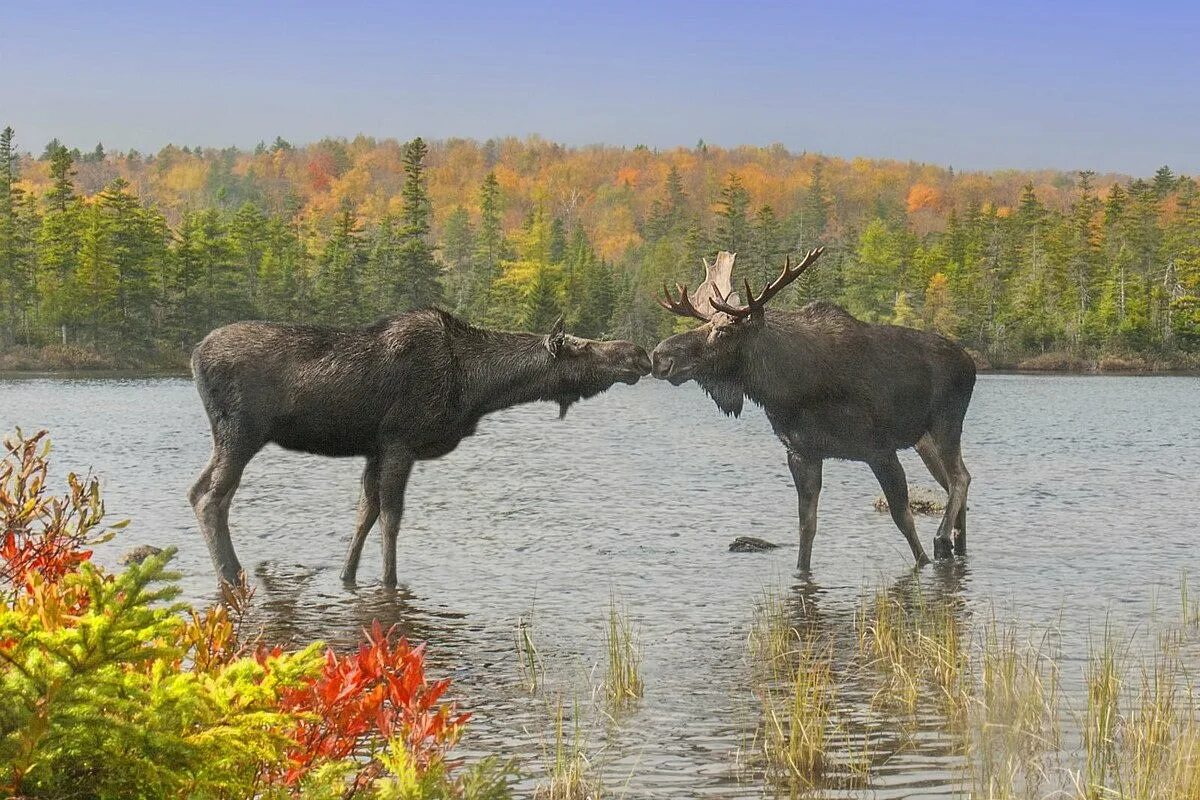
<point x="733" y="222"/>
<point x="542" y="306"/>
<point x="490" y="249"/>
<point x="458" y="248"/>
<point x="417" y="271"/>
<point x="337" y="290"/>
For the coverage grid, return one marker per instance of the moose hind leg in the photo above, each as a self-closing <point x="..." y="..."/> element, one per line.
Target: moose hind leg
<point x="806" y="473"/>
<point x="211" y="499"/>
<point x="894" y="483"/>
<point x="955" y="521"/>
<point x="393" y="479"/>
<point x="368" y="513"/>
<point x="928" y="450"/>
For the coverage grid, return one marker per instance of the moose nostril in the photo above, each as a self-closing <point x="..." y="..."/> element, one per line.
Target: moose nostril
<point x="661" y="365"/>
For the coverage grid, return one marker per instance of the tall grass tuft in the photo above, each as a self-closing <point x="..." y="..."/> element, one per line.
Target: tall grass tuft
<point x="1103" y="680"/>
<point x="1013" y="714"/>
<point x="773" y="637"/>
<point x="527" y="654"/>
<point x="798" y="721"/>
<point x="916" y="644"/>
<point x="569" y="773"/>
<point x="623" y="679"/>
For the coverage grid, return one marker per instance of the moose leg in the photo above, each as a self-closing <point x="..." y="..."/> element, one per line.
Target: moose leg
<point x="956" y="506"/>
<point x="393" y="478"/>
<point x="368" y="512"/>
<point x="894" y="483"/>
<point x="211" y="497"/>
<point x="929" y="453"/>
<point x="806" y="472"/>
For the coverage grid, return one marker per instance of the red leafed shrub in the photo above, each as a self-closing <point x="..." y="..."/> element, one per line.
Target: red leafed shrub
<point x="362" y="700"/>
<point x="44" y="535"/>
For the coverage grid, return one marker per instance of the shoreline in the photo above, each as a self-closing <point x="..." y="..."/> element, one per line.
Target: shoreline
<point x="100" y="374"/>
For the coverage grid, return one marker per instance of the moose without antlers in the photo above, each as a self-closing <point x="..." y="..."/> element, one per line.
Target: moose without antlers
<point x="407" y="388"/>
<point x="832" y="386"/>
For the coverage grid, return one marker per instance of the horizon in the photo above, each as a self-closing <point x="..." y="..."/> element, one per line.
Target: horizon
<point x="33" y="152"/>
<point x="1076" y="86"/>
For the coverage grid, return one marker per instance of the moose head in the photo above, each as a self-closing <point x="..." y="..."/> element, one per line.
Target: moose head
<point x="714" y="353"/>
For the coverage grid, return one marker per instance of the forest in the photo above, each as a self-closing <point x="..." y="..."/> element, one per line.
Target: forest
<point x="125" y="259"/>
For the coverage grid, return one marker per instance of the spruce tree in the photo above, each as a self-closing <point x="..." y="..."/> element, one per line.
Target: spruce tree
<point x="417" y="276"/>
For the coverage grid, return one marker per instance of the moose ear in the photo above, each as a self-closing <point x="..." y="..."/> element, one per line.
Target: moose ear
<point x="554" y="339"/>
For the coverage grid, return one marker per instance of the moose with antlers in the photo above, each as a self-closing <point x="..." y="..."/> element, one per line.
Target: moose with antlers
<point x="832" y="386"/>
<point x="407" y="388"/>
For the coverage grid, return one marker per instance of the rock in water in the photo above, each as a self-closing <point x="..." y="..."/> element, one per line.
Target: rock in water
<point x="921" y="500"/>
<point x="139" y="554"/>
<point x="750" y="544"/>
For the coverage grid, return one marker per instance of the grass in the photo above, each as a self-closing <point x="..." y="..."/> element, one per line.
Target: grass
<point x="1013" y="723"/>
<point x="623" y="678"/>
<point x="916" y="645"/>
<point x="569" y="773"/>
<point x="527" y="654"/>
<point x="795" y="738"/>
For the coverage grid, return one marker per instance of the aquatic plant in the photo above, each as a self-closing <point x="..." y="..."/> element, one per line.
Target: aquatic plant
<point x="794" y="738"/>
<point x="527" y="653"/>
<point x="622" y="679"/>
<point x="569" y="772"/>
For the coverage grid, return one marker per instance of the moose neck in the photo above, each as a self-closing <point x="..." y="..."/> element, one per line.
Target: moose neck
<point x="501" y="369"/>
<point x="781" y="366"/>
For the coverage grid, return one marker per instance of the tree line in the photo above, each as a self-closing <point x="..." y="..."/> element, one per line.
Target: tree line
<point x="142" y="255"/>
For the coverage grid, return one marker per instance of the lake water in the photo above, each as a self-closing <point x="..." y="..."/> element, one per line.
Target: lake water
<point x="1085" y="505"/>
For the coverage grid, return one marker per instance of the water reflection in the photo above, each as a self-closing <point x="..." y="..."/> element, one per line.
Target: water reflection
<point x="294" y="604"/>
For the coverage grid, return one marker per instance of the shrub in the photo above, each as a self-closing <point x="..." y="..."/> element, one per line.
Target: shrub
<point x="112" y="689"/>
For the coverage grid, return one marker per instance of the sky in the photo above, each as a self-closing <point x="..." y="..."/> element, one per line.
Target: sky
<point x="1058" y="83"/>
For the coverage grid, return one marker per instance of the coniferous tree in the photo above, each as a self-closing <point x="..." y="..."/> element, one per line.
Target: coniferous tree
<point x="418" y="272"/>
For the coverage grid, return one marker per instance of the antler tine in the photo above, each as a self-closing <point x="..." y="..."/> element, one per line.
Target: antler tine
<point x="683" y="306"/>
<point x="789" y="274"/>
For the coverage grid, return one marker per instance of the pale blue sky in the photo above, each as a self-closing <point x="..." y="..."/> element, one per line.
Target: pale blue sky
<point x="1100" y="85"/>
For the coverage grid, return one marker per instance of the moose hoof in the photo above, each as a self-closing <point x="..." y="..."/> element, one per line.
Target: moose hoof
<point x="942" y="548"/>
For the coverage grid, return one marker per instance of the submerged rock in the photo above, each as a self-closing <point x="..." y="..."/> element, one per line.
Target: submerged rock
<point x="750" y="544"/>
<point x="139" y="554"/>
<point x="921" y="500"/>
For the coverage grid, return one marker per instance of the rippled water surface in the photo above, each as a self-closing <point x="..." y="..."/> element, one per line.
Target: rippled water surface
<point x="1084" y="504"/>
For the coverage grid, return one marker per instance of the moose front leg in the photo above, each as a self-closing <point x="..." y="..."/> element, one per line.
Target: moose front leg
<point x="806" y="472"/>
<point x="394" y="469"/>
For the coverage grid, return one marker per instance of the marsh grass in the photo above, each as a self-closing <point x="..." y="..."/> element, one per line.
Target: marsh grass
<point x="623" y="678"/>
<point x="527" y="654"/>
<point x="1013" y="716"/>
<point x="916" y="645"/>
<point x="569" y="772"/>
<point x="773" y="637"/>
<point x="1190" y="606"/>
<point x="798" y="719"/>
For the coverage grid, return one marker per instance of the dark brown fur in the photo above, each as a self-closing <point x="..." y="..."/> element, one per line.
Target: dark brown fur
<point x="404" y="389"/>
<point x="835" y="387"/>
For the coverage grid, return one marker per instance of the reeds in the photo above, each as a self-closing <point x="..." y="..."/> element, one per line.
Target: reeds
<point x="569" y="773"/>
<point x="797" y="722"/>
<point x="527" y="654"/>
<point x="622" y="679"/>
<point x="916" y="645"/>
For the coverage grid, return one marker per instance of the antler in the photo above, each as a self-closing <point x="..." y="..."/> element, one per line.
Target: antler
<point x="683" y="307"/>
<point x="756" y="304"/>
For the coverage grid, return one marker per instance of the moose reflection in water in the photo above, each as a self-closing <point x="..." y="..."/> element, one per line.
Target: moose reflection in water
<point x="407" y="388"/>
<point x="832" y="386"/>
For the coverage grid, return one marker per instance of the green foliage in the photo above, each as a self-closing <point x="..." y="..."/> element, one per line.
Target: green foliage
<point x="507" y="232"/>
<point x="111" y="689"/>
